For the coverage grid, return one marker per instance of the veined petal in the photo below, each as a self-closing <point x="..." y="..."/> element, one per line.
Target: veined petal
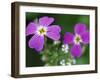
<point x="54" y="28"/>
<point x="53" y="35"/>
<point x="76" y="50"/>
<point x="31" y="28"/>
<point x="36" y="42"/>
<point x="80" y="28"/>
<point x="85" y="37"/>
<point x="68" y="38"/>
<point x="46" y="21"/>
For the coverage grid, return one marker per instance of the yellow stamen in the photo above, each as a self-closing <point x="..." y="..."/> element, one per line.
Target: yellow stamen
<point x="41" y="30"/>
<point x="77" y="39"/>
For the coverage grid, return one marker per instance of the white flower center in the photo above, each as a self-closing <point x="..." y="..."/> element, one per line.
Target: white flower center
<point x="41" y="30"/>
<point x="77" y="39"/>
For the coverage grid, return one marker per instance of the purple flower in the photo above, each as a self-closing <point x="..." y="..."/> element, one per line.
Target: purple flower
<point x="81" y="36"/>
<point x="39" y="30"/>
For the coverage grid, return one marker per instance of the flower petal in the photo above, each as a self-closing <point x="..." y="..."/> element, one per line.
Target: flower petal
<point x="76" y="50"/>
<point x="45" y="21"/>
<point x="31" y="28"/>
<point x="68" y="38"/>
<point x="80" y="28"/>
<point x="53" y="35"/>
<point x="54" y="28"/>
<point x="36" y="42"/>
<point x="85" y="37"/>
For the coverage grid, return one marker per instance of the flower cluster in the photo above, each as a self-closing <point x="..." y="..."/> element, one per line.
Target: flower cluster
<point x="72" y="43"/>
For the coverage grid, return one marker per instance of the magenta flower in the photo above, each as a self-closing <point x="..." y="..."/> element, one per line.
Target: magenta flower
<point x="41" y="29"/>
<point x="81" y="36"/>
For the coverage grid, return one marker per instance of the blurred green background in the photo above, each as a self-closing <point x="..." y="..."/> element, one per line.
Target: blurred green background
<point x="67" y="22"/>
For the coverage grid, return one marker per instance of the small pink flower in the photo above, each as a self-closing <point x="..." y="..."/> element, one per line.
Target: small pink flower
<point x="81" y="36"/>
<point x="40" y="30"/>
